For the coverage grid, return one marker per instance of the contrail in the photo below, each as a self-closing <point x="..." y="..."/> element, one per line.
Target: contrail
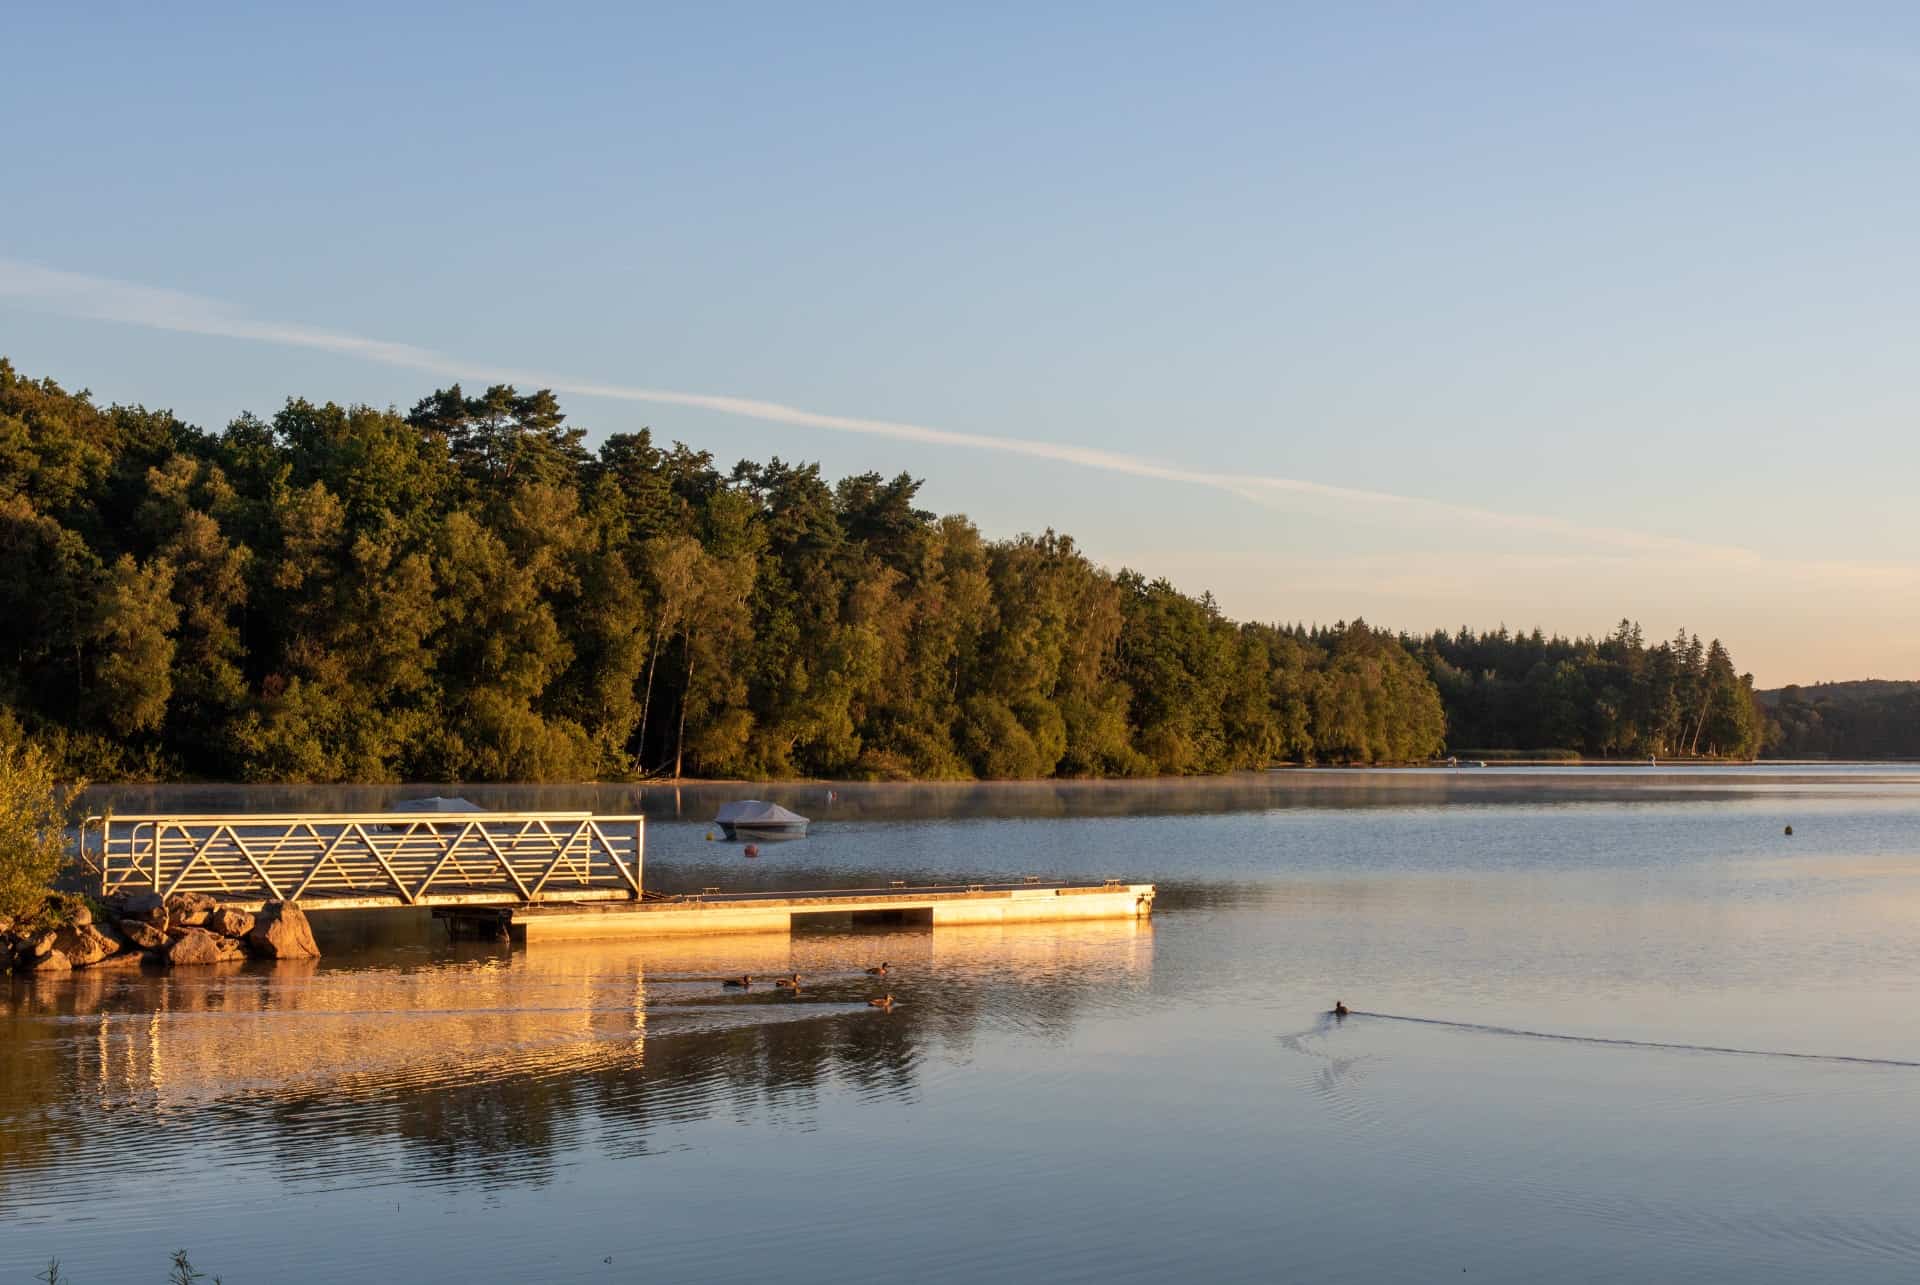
<point x="102" y="298"/>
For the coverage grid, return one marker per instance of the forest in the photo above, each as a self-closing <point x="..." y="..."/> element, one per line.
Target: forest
<point x="1859" y="720"/>
<point x="467" y="591"/>
<point x="1613" y="697"/>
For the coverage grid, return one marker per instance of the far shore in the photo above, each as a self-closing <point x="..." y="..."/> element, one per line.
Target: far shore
<point x="1466" y="765"/>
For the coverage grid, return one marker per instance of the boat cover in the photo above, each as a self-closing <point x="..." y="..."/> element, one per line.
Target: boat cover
<point x="755" y="812"/>
<point x="436" y="803"/>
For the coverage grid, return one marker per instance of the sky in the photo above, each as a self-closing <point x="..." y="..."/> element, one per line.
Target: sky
<point x="1475" y="314"/>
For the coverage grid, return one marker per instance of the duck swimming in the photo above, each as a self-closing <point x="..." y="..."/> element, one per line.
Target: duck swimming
<point x="880" y="971"/>
<point x="737" y="983"/>
<point x="1340" y="1008"/>
<point x="791" y="982"/>
<point x="884" y="1003"/>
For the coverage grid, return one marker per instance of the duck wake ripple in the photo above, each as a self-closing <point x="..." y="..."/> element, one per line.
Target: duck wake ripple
<point x="1482" y="1028"/>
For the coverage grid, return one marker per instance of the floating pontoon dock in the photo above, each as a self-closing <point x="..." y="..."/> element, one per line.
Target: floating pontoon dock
<point x="535" y="875"/>
<point x="1020" y="903"/>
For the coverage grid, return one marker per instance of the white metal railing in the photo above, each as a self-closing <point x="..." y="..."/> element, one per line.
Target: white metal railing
<point x="370" y="858"/>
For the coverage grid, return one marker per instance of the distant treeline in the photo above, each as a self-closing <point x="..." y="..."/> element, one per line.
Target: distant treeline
<point x="465" y="591"/>
<point x="1860" y="720"/>
<point x="1612" y="697"/>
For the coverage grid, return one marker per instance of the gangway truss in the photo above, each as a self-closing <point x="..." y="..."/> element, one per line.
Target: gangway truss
<point x="369" y="859"/>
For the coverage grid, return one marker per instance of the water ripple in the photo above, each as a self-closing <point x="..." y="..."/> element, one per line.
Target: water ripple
<point x="1608" y="1041"/>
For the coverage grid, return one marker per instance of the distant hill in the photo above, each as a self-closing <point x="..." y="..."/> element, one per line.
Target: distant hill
<point x="1854" y="692"/>
<point x="1871" y="718"/>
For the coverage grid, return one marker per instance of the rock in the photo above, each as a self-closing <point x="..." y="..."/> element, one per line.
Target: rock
<point x="79" y="915"/>
<point x="43" y="941"/>
<point x="143" y="934"/>
<point x="148" y="906"/>
<point x="84" y="944"/>
<point x="190" y="908"/>
<point x="198" y="946"/>
<point x="281" y="931"/>
<point x="230" y="923"/>
<point x="51" y="962"/>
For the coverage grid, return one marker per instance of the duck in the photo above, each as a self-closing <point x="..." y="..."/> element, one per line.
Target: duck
<point x="738" y="983"/>
<point x="791" y="982"/>
<point x="884" y="1003"/>
<point x="1340" y="1008"/>
<point x="879" y="971"/>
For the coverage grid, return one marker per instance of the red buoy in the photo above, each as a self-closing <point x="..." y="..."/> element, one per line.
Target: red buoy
<point x="753" y="849"/>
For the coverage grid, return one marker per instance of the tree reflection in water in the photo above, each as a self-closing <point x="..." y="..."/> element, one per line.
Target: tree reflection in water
<point x="411" y="1063"/>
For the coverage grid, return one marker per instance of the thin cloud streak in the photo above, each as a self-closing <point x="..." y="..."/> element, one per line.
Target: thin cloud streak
<point x="106" y="299"/>
<point x="1422" y="573"/>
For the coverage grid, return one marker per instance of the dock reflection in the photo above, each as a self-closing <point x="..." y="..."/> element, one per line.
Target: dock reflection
<point x="483" y="1065"/>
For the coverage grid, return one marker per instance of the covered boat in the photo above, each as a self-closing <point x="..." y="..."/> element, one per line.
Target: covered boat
<point x="754" y="819"/>
<point x="433" y="803"/>
<point x="436" y="803"/>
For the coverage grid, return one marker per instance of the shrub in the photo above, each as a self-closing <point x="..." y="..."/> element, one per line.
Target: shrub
<point x="33" y="828"/>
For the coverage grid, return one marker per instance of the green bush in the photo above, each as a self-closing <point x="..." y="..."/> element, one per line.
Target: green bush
<point x="33" y="828"/>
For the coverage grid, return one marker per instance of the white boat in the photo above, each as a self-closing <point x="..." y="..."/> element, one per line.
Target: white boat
<point x="754" y="819"/>
<point x="436" y="803"/>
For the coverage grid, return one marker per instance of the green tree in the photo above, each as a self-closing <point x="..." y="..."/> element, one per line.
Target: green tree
<point x="34" y="814"/>
<point x="499" y="647"/>
<point x="48" y="584"/>
<point x="133" y="622"/>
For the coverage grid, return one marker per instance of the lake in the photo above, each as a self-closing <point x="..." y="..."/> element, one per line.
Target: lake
<point x="1609" y="1025"/>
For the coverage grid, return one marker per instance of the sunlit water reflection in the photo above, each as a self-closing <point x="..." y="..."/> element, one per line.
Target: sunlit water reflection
<point x="1095" y="1101"/>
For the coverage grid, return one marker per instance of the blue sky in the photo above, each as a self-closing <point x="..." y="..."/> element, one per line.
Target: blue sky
<point x="1619" y="305"/>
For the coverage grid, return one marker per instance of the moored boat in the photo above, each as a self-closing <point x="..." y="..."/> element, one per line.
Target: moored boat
<point x="755" y="819"/>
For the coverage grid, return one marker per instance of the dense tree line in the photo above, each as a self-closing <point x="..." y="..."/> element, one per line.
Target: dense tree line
<point x="466" y="591"/>
<point x="1609" y="697"/>
<point x="1860" y="720"/>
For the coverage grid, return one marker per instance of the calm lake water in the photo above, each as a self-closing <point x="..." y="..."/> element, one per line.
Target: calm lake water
<point x="1553" y="969"/>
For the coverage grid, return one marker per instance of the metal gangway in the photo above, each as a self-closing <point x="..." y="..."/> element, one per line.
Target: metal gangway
<point x="357" y="860"/>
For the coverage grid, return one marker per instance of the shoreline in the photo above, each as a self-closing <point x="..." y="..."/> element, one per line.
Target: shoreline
<point x="835" y="782"/>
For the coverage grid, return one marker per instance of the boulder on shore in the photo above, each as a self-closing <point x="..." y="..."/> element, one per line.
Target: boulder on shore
<point x="51" y="962"/>
<point x="42" y="943"/>
<point x="198" y="946"/>
<point x="143" y="934"/>
<point x="190" y="908"/>
<point x="149" y="906"/>
<point x="229" y="922"/>
<point x="84" y="944"/>
<point x="281" y="931"/>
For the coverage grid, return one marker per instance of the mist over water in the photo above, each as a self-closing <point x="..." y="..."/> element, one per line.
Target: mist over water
<point x="1609" y="1024"/>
